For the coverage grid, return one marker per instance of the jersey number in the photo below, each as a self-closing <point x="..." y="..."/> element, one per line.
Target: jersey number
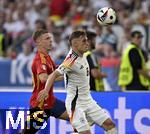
<point x="87" y="71"/>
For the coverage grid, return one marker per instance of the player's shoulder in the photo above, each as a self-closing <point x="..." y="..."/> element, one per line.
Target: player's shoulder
<point x="70" y="58"/>
<point x="40" y="57"/>
<point x="72" y="55"/>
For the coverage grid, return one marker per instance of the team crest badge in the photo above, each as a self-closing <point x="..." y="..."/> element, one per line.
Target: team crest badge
<point x="44" y="67"/>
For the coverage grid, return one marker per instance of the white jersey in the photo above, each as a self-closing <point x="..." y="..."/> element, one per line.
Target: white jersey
<point x="76" y="70"/>
<point x="80" y="106"/>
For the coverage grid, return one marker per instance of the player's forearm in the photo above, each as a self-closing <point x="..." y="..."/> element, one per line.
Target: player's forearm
<point x="51" y="79"/>
<point x="59" y="78"/>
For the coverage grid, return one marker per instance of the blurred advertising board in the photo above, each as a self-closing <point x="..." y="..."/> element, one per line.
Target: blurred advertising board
<point x="130" y="112"/>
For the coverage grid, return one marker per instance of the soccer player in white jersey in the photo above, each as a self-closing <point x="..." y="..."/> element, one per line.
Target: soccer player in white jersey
<point x="79" y="102"/>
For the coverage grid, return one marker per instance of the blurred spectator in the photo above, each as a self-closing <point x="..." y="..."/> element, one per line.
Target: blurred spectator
<point x="11" y="53"/>
<point x="99" y="31"/>
<point x="97" y="4"/>
<point x="14" y="29"/>
<point x="60" y="48"/>
<point x="143" y="17"/>
<point x="124" y="39"/>
<point x="27" y="52"/>
<point x="59" y="7"/>
<point x="133" y="75"/>
<point x="109" y="37"/>
<point x="5" y="42"/>
<point x="40" y="24"/>
<point x="5" y="37"/>
<point x="32" y="14"/>
<point x="148" y="67"/>
<point x="96" y="76"/>
<point x="106" y="42"/>
<point x="9" y="23"/>
<point x="1" y="44"/>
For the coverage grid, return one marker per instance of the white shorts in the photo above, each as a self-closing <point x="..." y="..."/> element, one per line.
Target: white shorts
<point x="85" y="113"/>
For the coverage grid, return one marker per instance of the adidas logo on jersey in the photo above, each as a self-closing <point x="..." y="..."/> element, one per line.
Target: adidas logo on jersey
<point x="81" y="67"/>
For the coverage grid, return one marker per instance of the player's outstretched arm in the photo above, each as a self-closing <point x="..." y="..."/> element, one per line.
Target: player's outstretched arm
<point x="59" y="78"/>
<point x="43" y="94"/>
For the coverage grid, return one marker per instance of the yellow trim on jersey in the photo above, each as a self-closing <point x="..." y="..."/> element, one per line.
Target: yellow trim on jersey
<point x="43" y="59"/>
<point x="69" y="61"/>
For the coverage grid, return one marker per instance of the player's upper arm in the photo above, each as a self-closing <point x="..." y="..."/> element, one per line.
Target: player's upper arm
<point x="41" y="69"/>
<point x="43" y="77"/>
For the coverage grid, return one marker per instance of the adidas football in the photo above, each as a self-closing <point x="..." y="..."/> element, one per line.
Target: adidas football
<point x="106" y="16"/>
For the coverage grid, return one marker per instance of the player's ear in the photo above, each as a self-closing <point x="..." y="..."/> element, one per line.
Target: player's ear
<point x="74" y="42"/>
<point x="38" y="40"/>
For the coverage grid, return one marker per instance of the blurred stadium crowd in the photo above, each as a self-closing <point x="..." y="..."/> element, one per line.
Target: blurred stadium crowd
<point x="18" y="20"/>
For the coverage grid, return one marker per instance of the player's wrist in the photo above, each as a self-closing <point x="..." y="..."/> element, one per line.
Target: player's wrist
<point x="46" y="91"/>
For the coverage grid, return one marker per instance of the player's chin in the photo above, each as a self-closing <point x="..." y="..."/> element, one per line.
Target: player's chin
<point x="86" y="49"/>
<point x="49" y="49"/>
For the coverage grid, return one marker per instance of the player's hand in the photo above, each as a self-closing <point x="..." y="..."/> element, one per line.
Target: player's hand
<point x="43" y="95"/>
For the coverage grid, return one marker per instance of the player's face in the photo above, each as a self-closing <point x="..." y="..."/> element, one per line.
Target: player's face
<point x="46" y="41"/>
<point x="82" y="44"/>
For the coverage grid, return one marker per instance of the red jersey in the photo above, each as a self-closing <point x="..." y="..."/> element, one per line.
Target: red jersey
<point x="42" y="63"/>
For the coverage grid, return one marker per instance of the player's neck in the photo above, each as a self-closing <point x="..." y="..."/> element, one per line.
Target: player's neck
<point x="43" y="51"/>
<point x="80" y="54"/>
<point x="77" y="52"/>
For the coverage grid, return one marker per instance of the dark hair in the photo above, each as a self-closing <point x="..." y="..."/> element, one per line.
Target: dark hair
<point x="76" y="34"/>
<point x="41" y="22"/>
<point x="136" y="34"/>
<point x="90" y="34"/>
<point x="38" y="33"/>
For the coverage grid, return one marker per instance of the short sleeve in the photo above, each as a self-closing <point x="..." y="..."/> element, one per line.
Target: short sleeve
<point x="41" y="67"/>
<point x="67" y="65"/>
<point x="63" y="69"/>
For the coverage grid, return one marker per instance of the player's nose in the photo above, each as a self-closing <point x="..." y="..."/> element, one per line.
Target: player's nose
<point x="50" y="41"/>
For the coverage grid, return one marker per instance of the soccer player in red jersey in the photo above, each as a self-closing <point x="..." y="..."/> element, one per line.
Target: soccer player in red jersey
<point x="42" y="66"/>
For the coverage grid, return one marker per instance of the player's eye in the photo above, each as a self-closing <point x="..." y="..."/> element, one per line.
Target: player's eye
<point x="84" y="40"/>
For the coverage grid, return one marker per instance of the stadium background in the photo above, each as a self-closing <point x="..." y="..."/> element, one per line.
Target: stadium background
<point x="18" y="19"/>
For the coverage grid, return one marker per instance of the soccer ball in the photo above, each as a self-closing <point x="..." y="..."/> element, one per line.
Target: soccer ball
<point x="106" y="16"/>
